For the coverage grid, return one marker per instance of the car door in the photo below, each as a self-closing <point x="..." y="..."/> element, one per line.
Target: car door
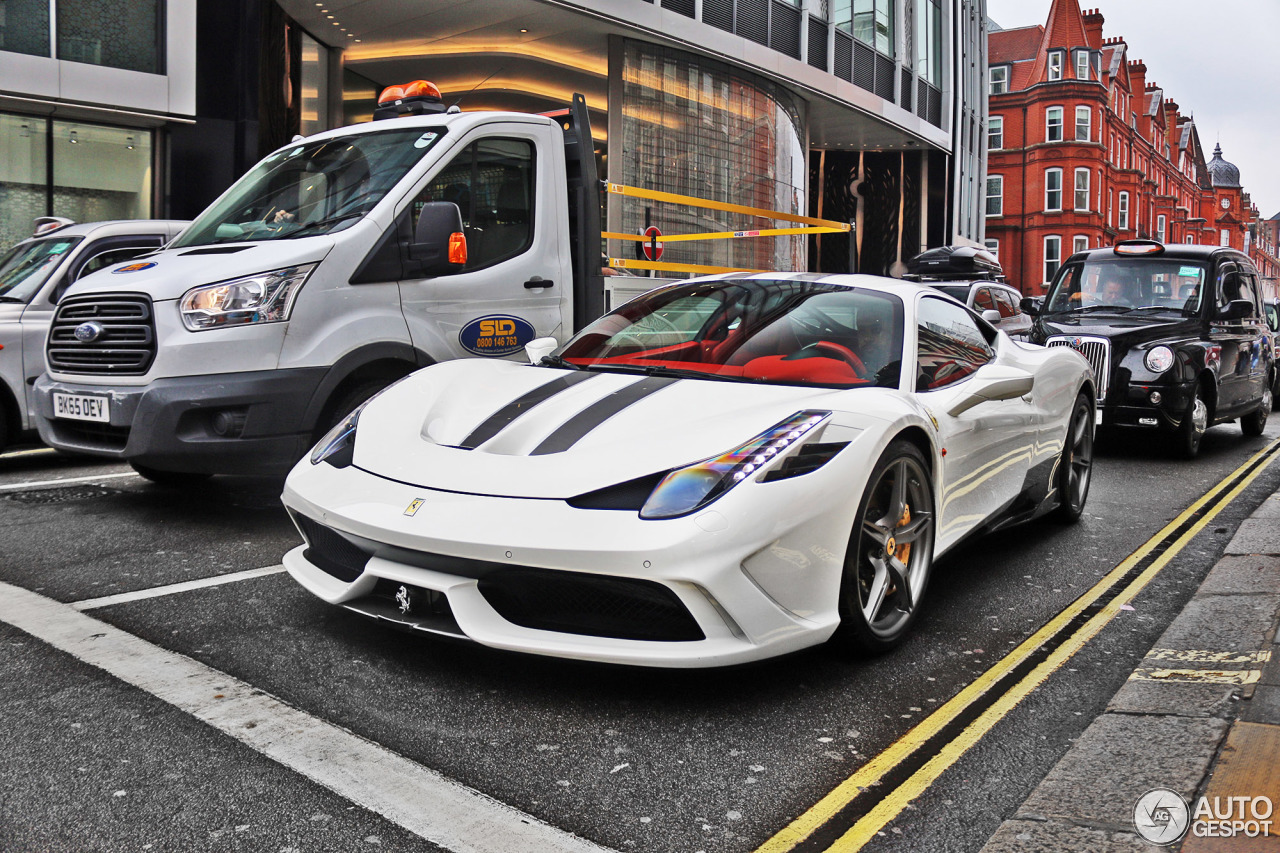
<point x="515" y="285"/>
<point x="1232" y="340"/>
<point x="987" y="448"/>
<point x="1255" y="352"/>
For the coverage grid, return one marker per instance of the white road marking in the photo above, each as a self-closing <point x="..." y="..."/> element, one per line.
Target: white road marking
<point x="69" y="481"/>
<point x="170" y="589"/>
<point x="446" y="813"/>
<point x="14" y="454"/>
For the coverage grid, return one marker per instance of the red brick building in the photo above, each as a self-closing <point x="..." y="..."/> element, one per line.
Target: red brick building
<point x="1083" y="152"/>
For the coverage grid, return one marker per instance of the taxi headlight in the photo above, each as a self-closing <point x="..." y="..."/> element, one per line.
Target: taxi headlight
<point x="266" y="297"/>
<point x="1159" y="359"/>
<point x="693" y="487"/>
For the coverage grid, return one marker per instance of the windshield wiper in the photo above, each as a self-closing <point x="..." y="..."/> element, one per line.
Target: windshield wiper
<point x="1088" y="309"/>
<point x="663" y="370"/>
<point x="320" y="223"/>
<point x="1154" y="308"/>
<point x="558" y="361"/>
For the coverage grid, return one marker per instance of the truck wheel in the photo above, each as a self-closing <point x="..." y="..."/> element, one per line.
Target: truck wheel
<point x="341" y="406"/>
<point x="169" y="478"/>
<point x="1253" y="424"/>
<point x="4" y="427"/>
<point x="1195" y="420"/>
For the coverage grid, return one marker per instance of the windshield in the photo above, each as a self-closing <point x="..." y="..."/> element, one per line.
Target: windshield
<point x="773" y="332"/>
<point x="1124" y="285"/>
<point x="955" y="291"/>
<point x="25" y="267"/>
<point x="314" y="187"/>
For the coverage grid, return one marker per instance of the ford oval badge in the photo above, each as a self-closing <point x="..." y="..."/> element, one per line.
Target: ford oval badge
<point x="87" y="333"/>
<point x="134" y="267"/>
<point x="497" y="334"/>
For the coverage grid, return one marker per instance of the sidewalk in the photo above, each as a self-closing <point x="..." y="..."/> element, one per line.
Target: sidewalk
<point x="1199" y="716"/>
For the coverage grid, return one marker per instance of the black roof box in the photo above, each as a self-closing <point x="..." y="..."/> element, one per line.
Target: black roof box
<point x="953" y="262"/>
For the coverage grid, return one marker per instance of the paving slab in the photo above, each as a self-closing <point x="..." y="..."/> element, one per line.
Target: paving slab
<point x="1053" y="836"/>
<point x="1270" y="508"/>
<point x="1118" y="759"/>
<point x="1243" y="575"/>
<point x="1223" y="623"/>
<point x="1172" y="699"/>
<point x="1263" y="706"/>
<point x="1256" y="536"/>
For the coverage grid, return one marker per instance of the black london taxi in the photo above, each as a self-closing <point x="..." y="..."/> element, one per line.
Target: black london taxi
<point x="1176" y="335"/>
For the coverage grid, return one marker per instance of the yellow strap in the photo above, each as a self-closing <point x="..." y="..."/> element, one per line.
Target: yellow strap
<point x="654" y="195"/>
<point x="624" y="264"/>
<point x="721" y="235"/>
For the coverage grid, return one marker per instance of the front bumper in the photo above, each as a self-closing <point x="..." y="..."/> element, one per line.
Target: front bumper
<point x="171" y="424"/>
<point x="428" y="571"/>
<point x="1129" y="404"/>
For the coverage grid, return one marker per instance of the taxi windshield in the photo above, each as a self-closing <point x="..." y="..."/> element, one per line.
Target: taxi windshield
<point x="1129" y="285"/>
<point x="25" y="267"/>
<point x="313" y="187"/>
<point x="752" y="330"/>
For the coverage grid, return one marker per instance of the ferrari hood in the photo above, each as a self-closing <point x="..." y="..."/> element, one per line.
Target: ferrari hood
<point x="507" y="429"/>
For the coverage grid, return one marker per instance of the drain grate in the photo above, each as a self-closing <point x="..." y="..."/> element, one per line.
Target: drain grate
<point x="63" y="495"/>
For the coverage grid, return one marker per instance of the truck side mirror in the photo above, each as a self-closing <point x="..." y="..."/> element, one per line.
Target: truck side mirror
<point x="1031" y="305"/>
<point x="439" y="244"/>
<point x="1236" y="309"/>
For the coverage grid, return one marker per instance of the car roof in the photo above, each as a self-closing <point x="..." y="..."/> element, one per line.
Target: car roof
<point x="1175" y="251"/>
<point x="113" y="228"/>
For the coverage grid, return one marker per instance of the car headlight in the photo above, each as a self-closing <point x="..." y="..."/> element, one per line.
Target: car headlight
<point x="266" y="297"/>
<point x="688" y="489"/>
<point x="338" y="446"/>
<point x="1159" y="359"/>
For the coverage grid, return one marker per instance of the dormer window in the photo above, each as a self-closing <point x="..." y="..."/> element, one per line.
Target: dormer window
<point x="999" y="80"/>
<point x="1055" y="65"/>
<point x="1082" y="65"/>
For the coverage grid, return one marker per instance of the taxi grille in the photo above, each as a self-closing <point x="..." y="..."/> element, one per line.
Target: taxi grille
<point x="125" y="343"/>
<point x="1096" y="351"/>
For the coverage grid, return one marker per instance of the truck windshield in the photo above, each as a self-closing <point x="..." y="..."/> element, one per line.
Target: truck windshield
<point x="28" y="265"/>
<point x="313" y="187"/>
<point x="1128" y="285"/>
<point x="774" y="332"/>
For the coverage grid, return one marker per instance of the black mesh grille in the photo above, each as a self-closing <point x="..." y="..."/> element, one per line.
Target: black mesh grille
<point x="818" y="43"/>
<point x="90" y="435"/>
<point x="784" y="29"/>
<point x="576" y="603"/>
<point x="680" y="7"/>
<point x="125" y="336"/>
<point x="907" y="88"/>
<point x="844" y="56"/>
<point x="718" y="13"/>
<point x="884" y="77"/>
<point x="864" y="66"/>
<point x="330" y="552"/>
<point x="934" y="113"/>
<point x="753" y="20"/>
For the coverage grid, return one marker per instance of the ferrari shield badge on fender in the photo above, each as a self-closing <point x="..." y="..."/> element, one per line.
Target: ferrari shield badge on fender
<point x="414" y="506"/>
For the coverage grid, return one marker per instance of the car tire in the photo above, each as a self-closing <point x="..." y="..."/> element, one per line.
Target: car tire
<point x="890" y="553"/>
<point x="1075" y="468"/>
<point x="169" y="478"/>
<point x="4" y="427"/>
<point x="1275" y="389"/>
<point x="1195" y="420"/>
<point x="1255" y="422"/>
<point x="341" y="406"/>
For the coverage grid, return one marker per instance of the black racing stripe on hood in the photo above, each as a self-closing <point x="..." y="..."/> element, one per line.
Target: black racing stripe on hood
<point x="572" y="430"/>
<point x="500" y="419"/>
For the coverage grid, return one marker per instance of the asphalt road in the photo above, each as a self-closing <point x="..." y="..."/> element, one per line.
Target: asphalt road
<point x="629" y="759"/>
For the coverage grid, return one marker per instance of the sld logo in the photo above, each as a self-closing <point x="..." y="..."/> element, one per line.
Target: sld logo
<point x="495" y="335"/>
<point x="492" y="328"/>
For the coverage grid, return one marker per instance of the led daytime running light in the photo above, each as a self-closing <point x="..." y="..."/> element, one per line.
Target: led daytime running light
<point x="688" y="489"/>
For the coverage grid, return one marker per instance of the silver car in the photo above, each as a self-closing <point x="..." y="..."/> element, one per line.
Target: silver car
<point x="984" y="296"/>
<point x="33" y="276"/>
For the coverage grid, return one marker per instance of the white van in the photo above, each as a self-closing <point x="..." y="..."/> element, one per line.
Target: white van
<point x="34" y="273"/>
<point x="338" y="264"/>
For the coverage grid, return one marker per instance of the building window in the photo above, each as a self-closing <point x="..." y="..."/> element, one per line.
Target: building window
<point x="1052" y="190"/>
<point x="869" y="21"/>
<point x="1124" y="211"/>
<point x="1111" y="195"/>
<point x="1053" y="124"/>
<point x="110" y="33"/>
<point x="1052" y="257"/>
<point x="995" y="195"/>
<point x="1082" y="65"/>
<point x="993" y="246"/>
<point x="1055" y="65"/>
<point x="929" y="41"/>
<point x="1079" y="243"/>
<point x="1082" y="189"/>
<point x="1160" y="224"/>
<point x="1084" y="124"/>
<point x="995" y="133"/>
<point x="1224" y="237"/>
<point x="999" y="80"/>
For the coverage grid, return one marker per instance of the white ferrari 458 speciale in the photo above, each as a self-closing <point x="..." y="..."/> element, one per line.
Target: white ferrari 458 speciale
<point x="719" y="471"/>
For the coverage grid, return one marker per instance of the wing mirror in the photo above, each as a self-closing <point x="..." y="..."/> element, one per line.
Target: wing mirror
<point x="1236" y="309"/>
<point x="539" y="347"/>
<point x="1032" y="305"/>
<point x="992" y="316"/>
<point x="439" y="244"/>
<point x="993" y="383"/>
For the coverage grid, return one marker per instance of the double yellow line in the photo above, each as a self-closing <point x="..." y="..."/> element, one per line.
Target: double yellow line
<point x="1165" y="545"/>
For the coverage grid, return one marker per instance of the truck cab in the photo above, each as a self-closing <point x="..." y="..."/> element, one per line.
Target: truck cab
<point x="1176" y="335"/>
<point x="34" y="274"/>
<point x="334" y="267"/>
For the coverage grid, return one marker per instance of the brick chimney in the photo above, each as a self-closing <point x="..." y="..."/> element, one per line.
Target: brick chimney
<point x="1093" y="28"/>
<point x="1138" y="85"/>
